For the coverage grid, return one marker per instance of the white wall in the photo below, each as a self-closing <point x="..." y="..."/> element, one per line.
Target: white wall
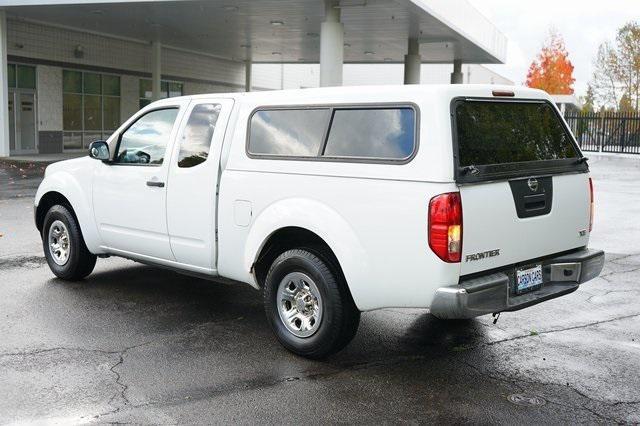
<point x="49" y="98"/>
<point x="37" y="41"/>
<point x="188" y="65"/>
<point x="55" y="44"/>
<point x="51" y="49"/>
<point x="287" y="76"/>
<point x="194" y="88"/>
<point x="304" y="75"/>
<point x="129" y="96"/>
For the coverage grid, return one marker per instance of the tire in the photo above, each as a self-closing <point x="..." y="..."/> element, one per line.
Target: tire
<point x="70" y="260"/>
<point x="326" y="318"/>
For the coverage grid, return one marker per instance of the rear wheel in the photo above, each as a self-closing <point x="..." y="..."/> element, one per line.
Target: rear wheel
<point x="308" y="304"/>
<point x="64" y="247"/>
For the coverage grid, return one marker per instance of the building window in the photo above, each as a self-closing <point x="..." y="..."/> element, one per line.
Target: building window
<point x="90" y="107"/>
<point x="21" y="76"/>
<point x="168" y="89"/>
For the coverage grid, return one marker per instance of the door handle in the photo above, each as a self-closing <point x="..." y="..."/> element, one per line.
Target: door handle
<point x="155" y="183"/>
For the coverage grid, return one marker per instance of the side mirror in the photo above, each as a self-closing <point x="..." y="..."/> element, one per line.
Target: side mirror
<point x="99" y="150"/>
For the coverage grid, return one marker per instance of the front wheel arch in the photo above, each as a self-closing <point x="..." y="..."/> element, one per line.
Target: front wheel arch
<point x="47" y="201"/>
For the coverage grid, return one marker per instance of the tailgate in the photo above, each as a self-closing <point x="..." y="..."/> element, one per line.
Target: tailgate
<point x="496" y="232"/>
<point x="523" y="182"/>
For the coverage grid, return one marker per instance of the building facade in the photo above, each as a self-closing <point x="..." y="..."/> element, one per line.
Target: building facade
<point x="75" y="70"/>
<point x="68" y="88"/>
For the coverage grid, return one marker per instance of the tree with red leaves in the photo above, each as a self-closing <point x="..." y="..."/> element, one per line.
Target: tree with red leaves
<point x="552" y="70"/>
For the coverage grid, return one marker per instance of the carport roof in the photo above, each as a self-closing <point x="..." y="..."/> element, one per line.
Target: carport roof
<point x="268" y="31"/>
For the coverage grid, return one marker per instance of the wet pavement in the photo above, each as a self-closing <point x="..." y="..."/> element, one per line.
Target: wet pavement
<point x="19" y="179"/>
<point x="138" y="344"/>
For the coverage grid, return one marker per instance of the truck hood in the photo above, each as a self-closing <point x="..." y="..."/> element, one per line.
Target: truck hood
<point x="73" y="165"/>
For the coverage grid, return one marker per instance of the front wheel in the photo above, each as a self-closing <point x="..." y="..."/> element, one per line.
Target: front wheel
<point x="308" y="304"/>
<point x="64" y="247"/>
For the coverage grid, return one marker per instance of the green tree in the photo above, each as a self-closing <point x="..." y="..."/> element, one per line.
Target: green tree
<point x="616" y="78"/>
<point x="589" y="100"/>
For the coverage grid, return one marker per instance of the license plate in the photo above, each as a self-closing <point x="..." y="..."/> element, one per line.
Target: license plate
<point x="528" y="279"/>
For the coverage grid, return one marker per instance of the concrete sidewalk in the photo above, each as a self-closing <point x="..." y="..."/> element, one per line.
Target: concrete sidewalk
<point x="42" y="158"/>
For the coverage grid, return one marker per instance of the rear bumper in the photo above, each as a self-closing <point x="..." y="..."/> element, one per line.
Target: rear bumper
<point x="491" y="293"/>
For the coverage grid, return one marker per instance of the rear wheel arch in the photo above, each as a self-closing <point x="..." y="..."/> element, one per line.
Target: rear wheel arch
<point x="288" y="238"/>
<point x="315" y="222"/>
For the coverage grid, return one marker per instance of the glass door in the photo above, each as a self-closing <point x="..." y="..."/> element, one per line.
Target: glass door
<point x="12" y="121"/>
<point x="23" y="136"/>
<point x="22" y="122"/>
<point x="26" y="112"/>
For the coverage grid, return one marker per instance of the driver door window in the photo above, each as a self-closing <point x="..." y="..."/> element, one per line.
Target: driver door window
<point x="145" y="141"/>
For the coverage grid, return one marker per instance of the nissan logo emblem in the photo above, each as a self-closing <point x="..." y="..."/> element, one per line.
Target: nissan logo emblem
<point x="533" y="184"/>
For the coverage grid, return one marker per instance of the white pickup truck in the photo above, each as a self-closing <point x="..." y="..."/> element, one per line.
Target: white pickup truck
<point x="465" y="200"/>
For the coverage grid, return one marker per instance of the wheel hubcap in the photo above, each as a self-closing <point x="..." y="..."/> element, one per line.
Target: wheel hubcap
<point x="59" y="244"/>
<point x="300" y="304"/>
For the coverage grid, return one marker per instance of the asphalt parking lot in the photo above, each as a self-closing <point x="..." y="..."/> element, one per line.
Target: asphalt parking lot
<point x="137" y="344"/>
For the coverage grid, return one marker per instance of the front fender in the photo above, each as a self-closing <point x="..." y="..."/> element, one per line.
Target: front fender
<point x="79" y="195"/>
<point x="320" y="219"/>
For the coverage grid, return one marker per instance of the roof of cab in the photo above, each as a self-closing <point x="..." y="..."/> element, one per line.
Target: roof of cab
<point x="358" y="94"/>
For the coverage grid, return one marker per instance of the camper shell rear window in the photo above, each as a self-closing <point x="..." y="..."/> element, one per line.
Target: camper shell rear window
<point x="498" y="139"/>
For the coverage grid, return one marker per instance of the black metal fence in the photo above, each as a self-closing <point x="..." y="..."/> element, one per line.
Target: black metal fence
<point x="606" y="132"/>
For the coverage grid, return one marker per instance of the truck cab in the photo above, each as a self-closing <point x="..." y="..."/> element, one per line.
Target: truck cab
<point x="464" y="200"/>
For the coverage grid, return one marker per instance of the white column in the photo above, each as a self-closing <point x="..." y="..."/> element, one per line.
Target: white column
<point x="247" y="75"/>
<point x="331" y="46"/>
<point x="4" y="88"/>
<point x="156" y="72"/>
<point x="456" y="76"/>
<point x="412" y="63"/>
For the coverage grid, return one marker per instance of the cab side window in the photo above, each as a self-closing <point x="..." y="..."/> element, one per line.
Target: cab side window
<point x="196" y="137"/>
<point x="145" y="141"/>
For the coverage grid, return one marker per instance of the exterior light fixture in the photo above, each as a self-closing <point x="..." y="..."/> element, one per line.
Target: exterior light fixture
<point x="369" y="52"/>
<point x="276" y="53"/>
<point x="277" y="23"/>
<point x="78" y="52"/>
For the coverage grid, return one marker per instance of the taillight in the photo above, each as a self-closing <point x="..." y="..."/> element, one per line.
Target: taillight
<point x="590" y="204"/>
<point x="445" y="226"/>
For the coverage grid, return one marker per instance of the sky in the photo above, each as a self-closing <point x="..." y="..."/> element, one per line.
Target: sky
<point x="584" y="25"/>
